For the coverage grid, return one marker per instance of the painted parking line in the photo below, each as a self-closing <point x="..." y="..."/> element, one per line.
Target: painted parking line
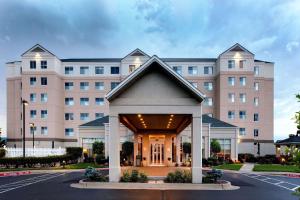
<point x="18" y="184"/>
<point x="273" y="181"/>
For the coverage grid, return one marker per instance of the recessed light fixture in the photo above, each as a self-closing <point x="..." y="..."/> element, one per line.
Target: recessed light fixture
<point x="139" y="115"/>
<point x="172" y="115"/>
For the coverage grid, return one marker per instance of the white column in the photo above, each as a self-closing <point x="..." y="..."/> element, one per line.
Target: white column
<point x="208" y="141"/>
<point x="197" y="149"/>
<point x="106" y="139"/>
<point x="114" y="149"/>
<point x="178" y="149"/>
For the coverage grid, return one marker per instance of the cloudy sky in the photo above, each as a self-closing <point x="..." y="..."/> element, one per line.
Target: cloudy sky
<point x="167" y="28"/>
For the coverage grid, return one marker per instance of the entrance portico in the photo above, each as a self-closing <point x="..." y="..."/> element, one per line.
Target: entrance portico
<point x="145" y="102"/>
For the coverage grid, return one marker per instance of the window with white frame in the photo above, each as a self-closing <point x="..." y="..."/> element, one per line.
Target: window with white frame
<point x="69" y="132"/>
<point x="99" y="101"/>
<point x="243" y="97"/>
<point x="69" y="85"/>
<point x="84" y="116"/>
<point x="33" y="129"/>
<point x="256" y="85"/>
<point x="242" y="63"/>
<point x="114" y="84"/>
<point x="99" y="115"/>
<point x="33" y="97"/>
<point x="69" y="116"/>
<point x="114" y="70"/>
<point x="242" y="131"/>
<point x="32" y="64"/>
<point x="69" y="101"/>
<point x="242" y="81"/>
<point x="84" y="85"/>
<point x="44" y="114"/>
<point x="44" y="130"/>
<point x="69" y="70"/>
<point x="255" y="132"/>
<point x="195" y="84"/>
<point x="231" y="81"/>
<point x="256" y="101"/>
<point x="242" y="114"/>
<point x="84" y="101"/>
<point x="208" y="70"/>
<point x="231" y="114"/>
<point x="208" y="101"/>
<point x="44" y="81"/>
<point x="44" y="97"/>
<point x="178" y="69"/>
<point x="32" y="114"/>
<point x="193" y="70"/>
<point x="208" y="86"/>
<point x="256" y="117"/>
<point x="99" y="85"/>
<point x="32" y="81"/>
<point x="99" y="70"/>
<point x="84" y="70"/>
<point x="225" y="145"/>
<point x="231" y="97"/>
<point x="231" y="64"/>
<point x="43" y="64"/>
<point x="256" y="70"/>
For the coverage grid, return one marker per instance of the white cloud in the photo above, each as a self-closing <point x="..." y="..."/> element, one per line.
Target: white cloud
<point x="292" y="46"/>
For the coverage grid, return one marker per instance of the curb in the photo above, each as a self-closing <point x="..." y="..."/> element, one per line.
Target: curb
<point x="5" y="174"/>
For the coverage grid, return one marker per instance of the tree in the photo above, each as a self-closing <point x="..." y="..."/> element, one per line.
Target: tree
<point x="98" y="148"/>
<point x="215" y="147"/>
<point x="186" y="147"/>
<point x="297" y="115"/>
<point x="127" y="149"/>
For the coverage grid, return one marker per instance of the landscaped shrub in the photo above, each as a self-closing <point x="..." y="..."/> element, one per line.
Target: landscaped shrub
<point x="204" y="162"/>
<point x="179" y="176"/>
<point x="135" y="176"/>
<point x="98" y="148"/>
<point x="91" y="174"/>
<point x="212" y="161"/>
<point x="101" y="160"/>
<point x="246" y="157"/>
<point x="212" y="176"/>
<point x="74" y="152"/>
<point x="2" y="153"/>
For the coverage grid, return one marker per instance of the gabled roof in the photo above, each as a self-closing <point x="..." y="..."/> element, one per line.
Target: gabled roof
<point x="139" y="71"/>
<point x="37" y="48"/>
<point x="97" y="122"/>
<point x="136" y="52"/>
<point x="237" y="47"/>
<point x="215" y="122"/>
<point x="292" y="140"/>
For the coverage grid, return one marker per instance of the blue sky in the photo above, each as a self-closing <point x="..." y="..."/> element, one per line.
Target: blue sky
<point x="167" y="28"/>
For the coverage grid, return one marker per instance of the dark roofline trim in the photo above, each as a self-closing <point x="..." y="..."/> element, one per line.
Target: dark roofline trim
<point x="38" y="45"/>
<point x="235" y="45"/>
<point x="132" y="52"/>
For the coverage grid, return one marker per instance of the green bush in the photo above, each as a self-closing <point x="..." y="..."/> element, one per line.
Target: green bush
<point x="74" y="152"/>
<point x="98" y="148"/>
<point x="2" y="153"/>
<point x="91" y="174"/>
<point x="100" y="159"/>
<point x="135" y="176"/>
<point x="179" y="176"/>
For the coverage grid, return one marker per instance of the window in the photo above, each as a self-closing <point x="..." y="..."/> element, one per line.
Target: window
<point x="231" y="114"/>
<point x="193" y="70"/>
<point x="255" y="132"/>
<point x="44" y="81"/>
<point x="32" y="64"/>
<point x="32" y="114"/>
<point x="208" y="70"/>
<point x="242" y="131"/>
<point x="69" y="70"/>
<point x="177" y="69"/>
<point x="99" y="115"/>
<point x="256" y="117"/>
<point x="33" y="129"/>
<point x="131" y="68"/>
<point x="208" y="101"/>
<point x="69" y="85"/>
<point x="99" y="70"/>
<point x="99" y="101"/>
<point x="242" y="63"/>
<point x="43" y="64"/>
<point x="256" y="70"/>
<point x="113" y="84"/>
<point x="231" y="81"/>
<point x="84" y="70"/>
<point x="225" y="145"/>
<point x="242" y="97"/>
<point x="84" y="101"/>
<point x="84" y="116"/>
<point x="84" y="85"/>
<point x="44" y="97"/>
<point x="99" y="85"/>
<point x="256" y="86"/>
<point x="242" y="114"/>
<point x="44" y="130"/>
<point x="32" y="80"/>
<point x="208" y="86"/>
<point x="231" y="97"/>
<point x="32" y="97"/>
<point x="194" y="84"/>
<point x="44" y="114"/>
<point x="69" y="116"/>
<point x="256" y="101"/>
<point x="231" y="64"/>
<point x="242" y="81"/>
<point x="69" y="101"/>
<point x="69" y="132"/>
<point x="114" y="70"/>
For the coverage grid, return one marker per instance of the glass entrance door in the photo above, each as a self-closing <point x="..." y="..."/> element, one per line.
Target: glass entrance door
<point x="157" y="150"/>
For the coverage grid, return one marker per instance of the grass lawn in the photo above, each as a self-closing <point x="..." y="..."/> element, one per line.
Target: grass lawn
<point x="235" y="167"/>
<point x="276" y="168"/>
<point x="83" y="166"/>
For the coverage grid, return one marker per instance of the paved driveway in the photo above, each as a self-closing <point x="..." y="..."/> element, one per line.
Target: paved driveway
<point x="57" y="187"/>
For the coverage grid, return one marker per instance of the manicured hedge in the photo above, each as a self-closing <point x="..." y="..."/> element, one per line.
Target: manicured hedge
<point x="74" y="152"/>
<point x="34" y="161"/>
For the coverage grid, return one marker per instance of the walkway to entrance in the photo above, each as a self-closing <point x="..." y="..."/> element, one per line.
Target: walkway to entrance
<point x="155" y="171"/>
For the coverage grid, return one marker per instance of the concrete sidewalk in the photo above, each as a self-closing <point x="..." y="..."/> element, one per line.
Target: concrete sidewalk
<point x="247" y="168"/>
